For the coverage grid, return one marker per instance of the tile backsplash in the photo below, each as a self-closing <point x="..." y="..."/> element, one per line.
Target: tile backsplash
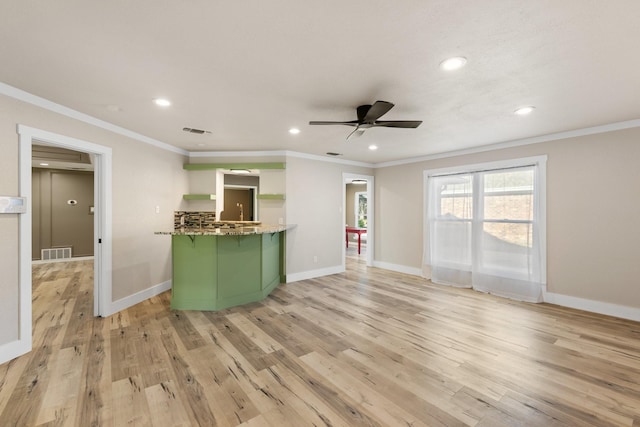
<point x="204" y="219"/>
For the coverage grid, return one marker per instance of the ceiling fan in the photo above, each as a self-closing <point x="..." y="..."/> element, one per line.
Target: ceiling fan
<point x="368" y="116"/>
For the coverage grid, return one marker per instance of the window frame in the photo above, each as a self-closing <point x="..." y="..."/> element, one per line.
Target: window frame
<point x="540" y="205"/>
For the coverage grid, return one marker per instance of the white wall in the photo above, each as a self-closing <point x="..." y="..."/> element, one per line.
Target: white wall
<point x="593" y="212"/>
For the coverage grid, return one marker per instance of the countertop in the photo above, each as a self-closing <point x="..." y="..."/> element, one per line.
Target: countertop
<point x="228" y="231"/>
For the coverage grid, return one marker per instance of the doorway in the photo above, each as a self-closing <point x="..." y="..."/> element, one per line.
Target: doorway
<point x="358" y="212"/>
<point x="102" y="224"/>
<point x="240" y="203"/>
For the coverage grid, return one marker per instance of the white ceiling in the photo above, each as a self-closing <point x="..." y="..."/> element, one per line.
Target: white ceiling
<point x="249" y="70"/>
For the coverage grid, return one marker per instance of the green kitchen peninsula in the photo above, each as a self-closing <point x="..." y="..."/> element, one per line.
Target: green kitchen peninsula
<point x="224" y="267"/>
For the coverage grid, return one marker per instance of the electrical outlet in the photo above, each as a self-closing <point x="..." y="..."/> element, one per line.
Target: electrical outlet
<point x="281" y="221"/>
<point x="157" y="209"/>
<point x="315" y="258"/>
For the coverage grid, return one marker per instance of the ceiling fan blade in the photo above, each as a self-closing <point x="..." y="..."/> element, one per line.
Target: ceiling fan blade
<point x="356" y="132"/>
<point x="377" y="110"/>
<point x="351" y="123"/>
<point x="398" y="123"/>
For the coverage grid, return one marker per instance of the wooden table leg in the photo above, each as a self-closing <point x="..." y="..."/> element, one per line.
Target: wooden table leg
<point x="358" y="243"/>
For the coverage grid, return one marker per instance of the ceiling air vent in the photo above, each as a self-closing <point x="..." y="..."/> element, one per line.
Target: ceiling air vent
<point x="333" y="154"/>
<point x="198" y="131"/>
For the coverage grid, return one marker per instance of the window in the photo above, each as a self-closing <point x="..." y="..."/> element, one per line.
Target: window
<point x="361" y="209"/>
<point x="485" y="227"/>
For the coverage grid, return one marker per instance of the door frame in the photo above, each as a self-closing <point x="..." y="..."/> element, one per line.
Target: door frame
<point x="102" y="292"/>
<point x="347" y="178"/>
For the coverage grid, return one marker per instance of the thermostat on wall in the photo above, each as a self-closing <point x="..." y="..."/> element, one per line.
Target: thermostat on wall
<point x="13" y="205"/>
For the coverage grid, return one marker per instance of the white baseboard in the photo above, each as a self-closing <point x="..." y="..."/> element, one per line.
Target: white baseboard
<point x="78" y="258"/>
<point x="615" y="310"/>
<point x="138" y="297"/>
<point x="312" y="274"/>
<point x="399" y="268"/>
<point x="13" y="349"/>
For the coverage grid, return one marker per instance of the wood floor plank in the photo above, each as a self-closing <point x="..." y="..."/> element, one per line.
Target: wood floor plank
<point x="379" y="407"/>
<point x="165" y="406"/>
<point x="10" y="374"/>
<point x="198" y="407"/>
<point x="228" y="399"/>
<point x="58" y="406"/>
<point x="25" y="401"/>
<point x="94" y="400"/>
<point x="131" y="402"/>
<point x="305" y="402"/>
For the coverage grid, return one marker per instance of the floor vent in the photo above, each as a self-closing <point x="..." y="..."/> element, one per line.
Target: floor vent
<point x="55" y="253"/>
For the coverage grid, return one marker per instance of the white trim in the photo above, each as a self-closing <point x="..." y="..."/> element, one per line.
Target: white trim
<point x="413" y="271"/>
<point x="371" y="214"/>
<point x="500" y="164"/>
<point x="517" y="143"/>
<point x="312" y="274"/>
<point x="268" y="153"/>
<point x="29" y="98"/>
<point x="102" y="220"/>
<point x="329" y="159"/>
<point x="608" y="309"/>
<point x="51" y="261"/>
<point x="139" y="297"/>
<point x="280" y="153"/>
<point x="23" y="343"/>
<point x="13" y="349"/>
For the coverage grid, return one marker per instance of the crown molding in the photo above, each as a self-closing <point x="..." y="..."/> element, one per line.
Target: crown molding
<point x="29" y="98"/>
<point x="280" y="153"/>
<point x="517" y="143"/>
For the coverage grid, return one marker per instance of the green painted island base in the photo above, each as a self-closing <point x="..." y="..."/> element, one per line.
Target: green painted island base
<point x="213" y="272"/>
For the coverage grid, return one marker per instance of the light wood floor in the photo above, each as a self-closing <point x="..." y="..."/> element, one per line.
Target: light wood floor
<point x="364" y="348"/>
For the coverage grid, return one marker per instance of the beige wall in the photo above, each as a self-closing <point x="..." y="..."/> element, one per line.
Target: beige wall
<point x="593" y="236"/>
<point x="143" y="177"/>
<point x="314" y="204"/>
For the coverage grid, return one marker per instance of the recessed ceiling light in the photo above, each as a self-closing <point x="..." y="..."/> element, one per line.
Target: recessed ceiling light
<point x="453" y="63"/>
<point x="523" y="111"/>
<point x="44" y="164"/>
<point x="162" y="102"/>
<point x="359" y="181"/>
<point x="294" y="131"/>
<point x="373" y="147"/>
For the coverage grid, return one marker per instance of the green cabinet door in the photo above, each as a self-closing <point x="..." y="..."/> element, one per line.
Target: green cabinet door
<point x="194" y="272"/>
<point x="239" y="261"/>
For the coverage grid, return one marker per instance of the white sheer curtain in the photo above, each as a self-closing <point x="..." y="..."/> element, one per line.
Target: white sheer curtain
<point x="484" y="228"/>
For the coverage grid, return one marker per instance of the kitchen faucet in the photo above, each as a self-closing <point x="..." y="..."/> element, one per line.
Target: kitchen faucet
<point x="241" y="212"/>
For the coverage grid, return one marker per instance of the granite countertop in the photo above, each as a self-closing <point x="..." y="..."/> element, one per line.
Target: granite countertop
<point x="227" y="230"/>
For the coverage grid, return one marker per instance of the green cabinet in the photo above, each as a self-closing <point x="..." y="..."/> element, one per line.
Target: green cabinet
<point x="212" y="272"/>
